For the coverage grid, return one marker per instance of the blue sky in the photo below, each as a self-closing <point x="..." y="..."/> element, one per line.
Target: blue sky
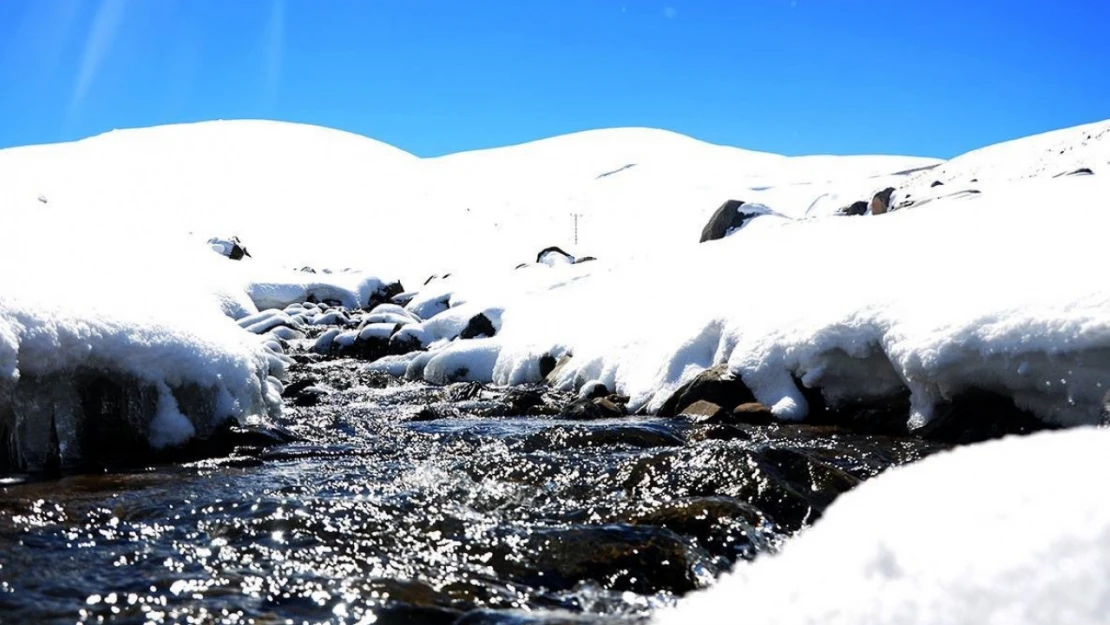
<point x="934" y="77"/>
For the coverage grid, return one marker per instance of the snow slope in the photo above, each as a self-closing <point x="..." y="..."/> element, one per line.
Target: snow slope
<point x="978" y="536"/>
<point x="301" y="195"/>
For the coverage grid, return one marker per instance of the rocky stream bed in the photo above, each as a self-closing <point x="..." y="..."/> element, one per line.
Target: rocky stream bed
<point x="408" y="503"/>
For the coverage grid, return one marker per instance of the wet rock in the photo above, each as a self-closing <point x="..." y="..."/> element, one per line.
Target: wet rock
<point x="310" y="396"/>
<point x="478" y="326"/>
<point x="619" y="557"/>
<point x="521" y="400"/>
<point x="463" y="391"/>
<point x="754" y="413"/>
<point x="716" y="385"/>
<point x="703" y="411"/>
<point x="722" y="526"/>
<point x="592" y="409"/>
<point x="975" y="416"/>
<point x="880" y="203"/>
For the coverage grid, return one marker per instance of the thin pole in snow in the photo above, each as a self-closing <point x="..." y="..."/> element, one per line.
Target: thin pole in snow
<point x="575" y="217"/>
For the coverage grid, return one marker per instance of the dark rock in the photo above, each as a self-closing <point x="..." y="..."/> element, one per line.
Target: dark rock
<point x="977" y="415"/>
<point x="856" y="209"/>
<point x="716" y="385"/>
<point x="547" y="365"/>
<point x="584" y="259"/>
<point x="729" y="217"/>
<point x="619" y="557"/>
<point x="703" y="411"/>
<point x="754" y="413"/>
<point x="880" y="203"/>
<point x="522" y="400"/>
<point x="553" y="376"/>
<point x="620" y="400"/>
<point x="384" y="294"/>
<point x="232" y="248"/>
<point x="294" y="389"/>
<point x="556" y="251"/>
<point x="478" y="326"/>
<point x="592" y="409"/>
<point x="594" y="390"/>
<point x="464" y="391"/>
<point x="721" y="525"/>
<point x="310" y="396"/>
<point x="936" y="183"/>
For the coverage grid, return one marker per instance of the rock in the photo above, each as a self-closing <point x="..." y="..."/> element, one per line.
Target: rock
<point x="753" y="413"/>
<point x="384" y="295"/>
<point x="721" y="525"/>
<point x="478" y="326"/>
<point x="584" y="259"/>
<point x="464" y="391"/>
<point x="620" y="557"/>
<point x="310" y="396"/>
<point x="593" y="390"/>
<point x="880" y="203"/>
<point x="522" y="400"/>
<point x="553" y="255"/>
<point x="703" y="411"/>
<point x="547" y="365"/>
<point x="592" y="409"/>
<point x="552" y="376"/>
<point x="294" y="389"/>
<point x="936" y="183"/>
<point x="729" y="217"/>
<point x="1082" y="171"/>
<point x="716" y="385"/>
<point x="856" y="209"/>
<point x="975" y="416"/>
<point x="232" y="248"/>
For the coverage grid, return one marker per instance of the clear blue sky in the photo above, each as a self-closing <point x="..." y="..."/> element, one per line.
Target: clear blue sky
<point x="928" y="77"/>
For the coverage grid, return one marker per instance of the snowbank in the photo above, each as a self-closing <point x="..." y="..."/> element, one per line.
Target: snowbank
<point x="117" y="345"/>
<point x="984" y="293"/>
<point x="1012" y="532"/>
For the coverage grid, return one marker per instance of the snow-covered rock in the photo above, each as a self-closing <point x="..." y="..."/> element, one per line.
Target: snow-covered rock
<point x="1012" y="532"/>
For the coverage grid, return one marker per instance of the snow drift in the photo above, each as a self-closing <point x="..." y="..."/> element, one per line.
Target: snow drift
<point x="1011" y="532"/>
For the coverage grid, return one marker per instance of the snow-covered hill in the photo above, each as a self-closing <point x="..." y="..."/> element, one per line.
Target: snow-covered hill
<point x="300" y="195"/>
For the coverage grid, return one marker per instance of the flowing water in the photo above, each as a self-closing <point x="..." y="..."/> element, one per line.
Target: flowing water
<point x="402" y="503"/>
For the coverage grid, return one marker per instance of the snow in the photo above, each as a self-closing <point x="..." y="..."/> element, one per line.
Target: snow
<point x="149" y="317"/>
<point x="990" y="289"/>
<point x="1011" y="532"/>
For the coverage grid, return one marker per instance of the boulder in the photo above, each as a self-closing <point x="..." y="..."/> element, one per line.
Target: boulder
<point x="977" y="415"/>
<point x="716" y="385"/>
<point x="856" y="209"/>
<point x="731" y="216"/>
<point x="554" y="256"/>
<point x="592" y="410"/>
<point x="704" y="411"/>
<point x="232" y="248"/>
<point x="478" y="326"/>
<point x="556" y="367"/>
<point x="881" y="202"/>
